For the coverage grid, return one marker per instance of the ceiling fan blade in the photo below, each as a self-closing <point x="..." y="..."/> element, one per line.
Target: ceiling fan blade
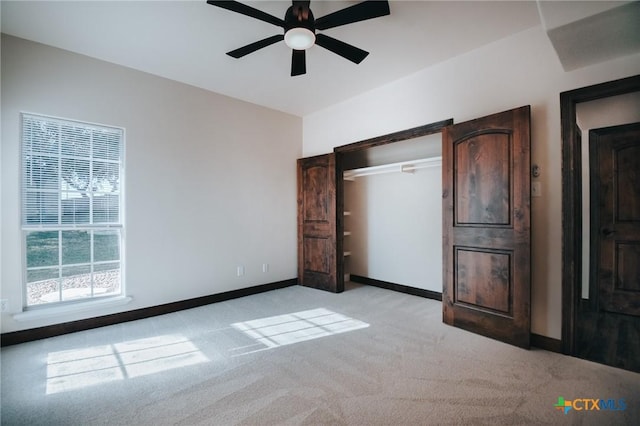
<point x="357" y="12"/>
<point x="243" y="9"/>
<point x="298" y="62"/>
<point x="250" y="48"/>
<point x="341" y="48"/>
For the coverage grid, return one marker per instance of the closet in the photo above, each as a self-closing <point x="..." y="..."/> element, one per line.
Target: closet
<point x="329" y="233"/>
<point x="485" y="232"/>
<point x="393" y="215"/>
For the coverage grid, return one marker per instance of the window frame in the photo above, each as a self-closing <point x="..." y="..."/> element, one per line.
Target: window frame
<point x="60" y="227"/>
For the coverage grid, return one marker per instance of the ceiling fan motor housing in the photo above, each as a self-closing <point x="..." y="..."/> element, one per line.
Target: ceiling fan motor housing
<point x="299" y="16"/>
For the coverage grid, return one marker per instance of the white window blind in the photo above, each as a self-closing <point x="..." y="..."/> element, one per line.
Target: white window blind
<point x="71" y="209"/>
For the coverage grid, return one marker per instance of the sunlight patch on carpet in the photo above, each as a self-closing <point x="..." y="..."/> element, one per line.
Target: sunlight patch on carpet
<point x="288" y="329"/>
<point x="80" y="368"/>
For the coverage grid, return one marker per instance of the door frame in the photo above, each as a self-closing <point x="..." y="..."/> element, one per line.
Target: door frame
<point x="361" y="146"/>
<point x="572" y="197"/>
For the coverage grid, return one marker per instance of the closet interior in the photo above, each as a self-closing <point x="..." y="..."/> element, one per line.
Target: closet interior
<point x="392" y="214"/>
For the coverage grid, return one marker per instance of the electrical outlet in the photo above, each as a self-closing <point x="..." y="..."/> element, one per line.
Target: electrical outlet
<point x="4" y="305"/>
<point x="265" y="267"/>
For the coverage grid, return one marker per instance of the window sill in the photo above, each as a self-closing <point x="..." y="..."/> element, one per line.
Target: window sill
<point x="71" y="309"/>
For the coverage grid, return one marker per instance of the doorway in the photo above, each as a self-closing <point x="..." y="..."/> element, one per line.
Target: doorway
<point x="591" y="328"/>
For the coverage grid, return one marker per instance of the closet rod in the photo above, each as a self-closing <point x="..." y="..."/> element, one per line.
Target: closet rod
<point x="404" y="167"/>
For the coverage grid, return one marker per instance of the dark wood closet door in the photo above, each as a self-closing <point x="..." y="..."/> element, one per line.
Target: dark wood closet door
<point x="317" y="265"/>
<point x="486" y="226"/>
<point x="608" y="324"/>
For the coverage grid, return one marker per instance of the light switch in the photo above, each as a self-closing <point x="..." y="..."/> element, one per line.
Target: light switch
<point x="536" y="189"/>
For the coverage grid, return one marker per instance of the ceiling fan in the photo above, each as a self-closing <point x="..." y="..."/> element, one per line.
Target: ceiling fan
<point x="300" y="29"/>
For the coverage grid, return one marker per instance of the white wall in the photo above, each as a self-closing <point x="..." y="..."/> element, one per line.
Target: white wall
<point x="210" y="181"/>
<point x="396" y="227"/>
<point x="519" y="70"/>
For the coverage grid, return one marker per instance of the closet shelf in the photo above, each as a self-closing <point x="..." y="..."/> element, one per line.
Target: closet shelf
<point x="404" y="167"/>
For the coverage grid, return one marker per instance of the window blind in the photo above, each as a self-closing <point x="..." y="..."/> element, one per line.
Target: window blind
<point x="71" y="173"/>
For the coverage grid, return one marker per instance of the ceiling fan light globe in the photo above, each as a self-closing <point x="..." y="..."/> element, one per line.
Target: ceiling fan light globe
<point x="299" y="38"/>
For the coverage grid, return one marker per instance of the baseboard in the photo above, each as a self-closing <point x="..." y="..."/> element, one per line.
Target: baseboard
<point x="398" y="287"/>
<point x="22" y="336"/>
<point x="546" y="343"/>
<point x="29" y="335"/>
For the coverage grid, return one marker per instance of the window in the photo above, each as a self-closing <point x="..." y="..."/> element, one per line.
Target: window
<point x="72" y="222"/>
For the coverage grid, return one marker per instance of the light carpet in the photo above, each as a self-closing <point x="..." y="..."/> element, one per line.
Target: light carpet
<point x="298" y="356"/>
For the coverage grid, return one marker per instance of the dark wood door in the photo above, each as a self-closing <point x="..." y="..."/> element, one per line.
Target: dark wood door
<point x="317" y="266"/>
<point x="486" y="226"/>
<point x="608" y="323"/>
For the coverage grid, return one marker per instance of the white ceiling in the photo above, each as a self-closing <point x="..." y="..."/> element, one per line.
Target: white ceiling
<point x="186" y="41"/>
<point x="592" y="33"/>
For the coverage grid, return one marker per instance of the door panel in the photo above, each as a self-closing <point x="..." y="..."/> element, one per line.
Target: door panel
<point x="486" y="226"/>
<point x="316" y="250"/>
<point x="608" y="325"/>
<point x="316" y="193"/>
<point x="317" y="254"/>
<point x="483" y="279"/>
<point x="482" y="179"/>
